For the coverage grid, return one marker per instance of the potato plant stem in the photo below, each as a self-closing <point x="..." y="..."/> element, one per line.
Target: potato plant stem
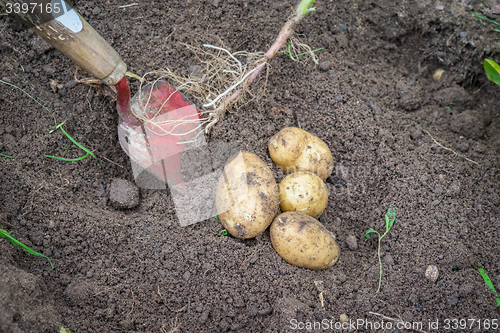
<point x="303" y="9"/>
<point x="379" y="263"/>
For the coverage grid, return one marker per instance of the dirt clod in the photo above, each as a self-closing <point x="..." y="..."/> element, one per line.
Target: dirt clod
<point x="453" y="96"/>
<point x="123" y="194"/>
<point x="469" y="124"/>
<point x="352" y="242"/>
<point x="388" y="260"/>
<point x="79" y="292"/>
<point x="453" y="300"/>
<point x="28" y="313"/>
<point x="325" y="65"/>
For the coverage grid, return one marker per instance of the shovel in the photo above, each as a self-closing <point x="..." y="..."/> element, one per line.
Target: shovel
<point x="155" y="124"/>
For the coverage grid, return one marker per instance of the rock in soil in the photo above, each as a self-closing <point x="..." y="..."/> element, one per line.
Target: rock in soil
<point x="432" y="273"/>
<point x="123" y="194"/>
<point x="463" y="147"/>
<point x="469" y="124"/>
<point x="351" y="242"/>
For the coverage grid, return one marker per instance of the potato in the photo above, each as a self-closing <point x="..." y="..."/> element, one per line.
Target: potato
<point x="303" y="241"/>
<point x="303" y="192"/>
<point x="247" y="197"/>
<point x="294" y="150"/>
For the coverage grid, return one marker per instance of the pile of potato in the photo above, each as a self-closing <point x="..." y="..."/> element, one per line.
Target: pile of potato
<point x="250" y="199"/>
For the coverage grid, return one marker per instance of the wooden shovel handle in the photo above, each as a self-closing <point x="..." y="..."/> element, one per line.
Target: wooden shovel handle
<point x="73" y="36"/>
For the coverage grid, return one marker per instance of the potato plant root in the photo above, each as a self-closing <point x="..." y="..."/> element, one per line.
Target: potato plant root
<point x="222" y="91"/>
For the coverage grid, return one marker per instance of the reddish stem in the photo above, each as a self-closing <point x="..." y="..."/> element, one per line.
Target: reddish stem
<point x="285" y="33"/>
<point x="283" y="36"/>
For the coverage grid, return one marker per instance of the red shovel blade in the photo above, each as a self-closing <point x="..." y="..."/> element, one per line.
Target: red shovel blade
<point x="168" y="122"/>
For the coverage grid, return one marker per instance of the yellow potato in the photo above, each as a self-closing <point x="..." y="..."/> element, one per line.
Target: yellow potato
<point x="294" y="150"/>
<point x="247" y="196"/>
<point x="303" y="241"/>
<point x="303" y="192"/>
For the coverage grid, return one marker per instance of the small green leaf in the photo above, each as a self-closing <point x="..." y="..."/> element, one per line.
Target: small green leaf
<point x="8" y="156"/>
<point x="484" y="18"/>
<point x="216" y="217"/>
<point x="369" y="232"/>
<point x="222" y="233"/>
<point x="488" y="282"/>
<point x="64" y="330"/>
<point x="76" y="143"/>
<point x="492" y="70"/>
<point x="15" y="242"/>
<point x="67" y="159"/>
<point x="305" y="6"/>
<point x="390" y="218"/>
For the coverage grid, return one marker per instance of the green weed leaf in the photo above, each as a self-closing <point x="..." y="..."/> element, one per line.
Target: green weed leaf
<point x="222" y="233"/>
<point x="484" y="18"/>
<point x="492" y="70"/>
<point x="369" y="232"/>
<point x="57" y="126"/>
<point x="488" y="282"/>
<point x="390" y="218"/>
<point x="15" y="242"/>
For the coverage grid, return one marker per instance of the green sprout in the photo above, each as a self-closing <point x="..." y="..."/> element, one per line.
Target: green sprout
<point x="488" y="282"/>
<point x="8" y="156"/>
<point x="390" y="218"/>
<point x="57" y="126"/>
<point x="5" y="234"/>
<point x="492" y="70"/>
<point x="222" y="233"/>
<point x="486" y="19"/>
<point x="76" y="143"/>
<point x="294" y="58"/>
<point x="216" y="217"/>
<point x="305" y="7"/>
<point x="64" y="330"/>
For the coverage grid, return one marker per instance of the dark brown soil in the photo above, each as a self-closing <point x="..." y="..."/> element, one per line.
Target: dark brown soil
<point x="372" y="100"/>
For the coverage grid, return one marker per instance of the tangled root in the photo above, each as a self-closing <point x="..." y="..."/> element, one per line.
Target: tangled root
<point x="220" y="74"/>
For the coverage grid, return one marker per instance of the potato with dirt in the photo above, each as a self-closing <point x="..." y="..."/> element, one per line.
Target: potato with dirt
<point x="247" y="197"/>
<point x="294" y="149"/>
<point x="303" y="192"/>
<point x="303" y="241"/>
